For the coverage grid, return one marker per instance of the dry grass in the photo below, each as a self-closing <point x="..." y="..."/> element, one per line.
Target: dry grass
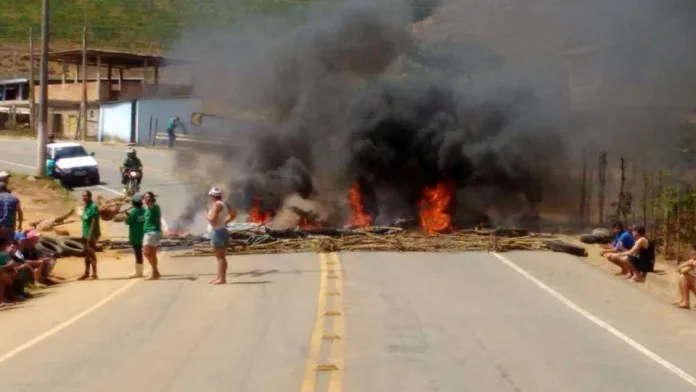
<point x="41" y="198"/>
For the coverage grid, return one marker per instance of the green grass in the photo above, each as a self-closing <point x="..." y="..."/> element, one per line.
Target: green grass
<point x="127" y="24"/>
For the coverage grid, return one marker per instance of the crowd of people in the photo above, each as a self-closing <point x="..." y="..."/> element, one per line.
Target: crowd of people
<point x="22" y="266"/>
<point x="144" y="220"/>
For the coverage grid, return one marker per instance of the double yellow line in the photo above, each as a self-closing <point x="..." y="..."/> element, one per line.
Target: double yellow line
<point x="329" y="330"/>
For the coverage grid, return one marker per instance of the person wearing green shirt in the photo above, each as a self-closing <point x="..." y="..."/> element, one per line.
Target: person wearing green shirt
<point x="90" y="234"/>
<point x="135" y="220"/>
<point x="153" y="232"/>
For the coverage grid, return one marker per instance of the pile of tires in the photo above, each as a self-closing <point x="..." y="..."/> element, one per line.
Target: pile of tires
<point x="60" y="246"/>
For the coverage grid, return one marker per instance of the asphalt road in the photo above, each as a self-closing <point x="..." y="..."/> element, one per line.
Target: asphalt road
<point x="172" y="190"/>
<point x="372" y="321"/>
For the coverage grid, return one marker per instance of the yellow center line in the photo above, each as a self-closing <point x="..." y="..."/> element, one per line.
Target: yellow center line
<point x="334" y="339"/>
<point x="309" y="382"/>
<point x="339" y="330"/>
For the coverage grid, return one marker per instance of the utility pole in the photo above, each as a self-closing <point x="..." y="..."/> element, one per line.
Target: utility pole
<point x="43" y="113"/>
<point x="83" y="104"/>
<point x="32" y="78"/>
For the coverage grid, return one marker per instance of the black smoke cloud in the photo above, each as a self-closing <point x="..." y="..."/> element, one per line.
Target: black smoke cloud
<point x="340" y="111"/>
<point x="350" y="96"/>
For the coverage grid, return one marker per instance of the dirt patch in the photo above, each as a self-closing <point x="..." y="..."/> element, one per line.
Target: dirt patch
<point x="41" y="198"/>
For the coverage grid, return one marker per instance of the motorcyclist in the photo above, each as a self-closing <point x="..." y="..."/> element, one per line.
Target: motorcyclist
<point x="131" y="163"/>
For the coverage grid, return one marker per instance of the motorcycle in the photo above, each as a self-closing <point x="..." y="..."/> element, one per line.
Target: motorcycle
<point x="132" y="184"/>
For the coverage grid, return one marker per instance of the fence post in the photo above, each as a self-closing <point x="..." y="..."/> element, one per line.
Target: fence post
<point x="583" y="189"/>
<point x="154" y="138"/>
<point x="602" y="177"/>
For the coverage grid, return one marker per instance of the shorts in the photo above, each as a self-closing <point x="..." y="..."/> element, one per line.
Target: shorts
<point x="152" y="238"/>
<point x="642" y="265"/>
<point x="219" y="239"/>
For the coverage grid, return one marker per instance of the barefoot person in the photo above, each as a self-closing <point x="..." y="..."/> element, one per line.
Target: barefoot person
<point x="639" y="260"/>
<point x="623" y="241"/>
<point x="135" y="220"/>
<point x="219" y="215"/>
<point x="90" y="234"/>
<point x="687" y="280"/>
<point x="153" y="233"/>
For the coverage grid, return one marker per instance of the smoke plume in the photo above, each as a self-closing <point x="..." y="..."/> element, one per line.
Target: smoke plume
<point x="398" y="97"/>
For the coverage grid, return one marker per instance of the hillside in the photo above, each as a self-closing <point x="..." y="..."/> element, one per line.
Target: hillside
<point x="125" y="24"/>
<point x="130" y="25"/>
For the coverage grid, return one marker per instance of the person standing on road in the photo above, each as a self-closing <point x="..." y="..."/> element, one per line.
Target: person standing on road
<point x="171" y="128"/>
<point x="11" y="214"/>
<point x="136" y="221"/>
<point x="219" y="215"/>
<point x="91" y="232"/>
<point x="153" y="232"/>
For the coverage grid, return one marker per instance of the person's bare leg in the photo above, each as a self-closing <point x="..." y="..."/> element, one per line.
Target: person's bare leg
<point x="94" y="265"/>
<point x="221" y="278"/>
<point x="2" y="290"/>
<point x="616" y="260"/>
<point x="683" y="292"/>
<point x="639" y="277"/>
<point x="88" y="261"/>
<point x="151" y="255"/>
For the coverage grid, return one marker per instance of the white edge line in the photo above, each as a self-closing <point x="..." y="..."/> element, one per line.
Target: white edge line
<point x="102" y="187"/>
<point x="639" y="347"/>
<point x="66" y="323"/>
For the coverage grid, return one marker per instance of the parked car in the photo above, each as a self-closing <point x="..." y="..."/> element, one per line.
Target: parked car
<point x="73" y="164"/>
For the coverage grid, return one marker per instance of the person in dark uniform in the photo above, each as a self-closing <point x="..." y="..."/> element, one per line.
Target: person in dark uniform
<point x="640" y="259"/>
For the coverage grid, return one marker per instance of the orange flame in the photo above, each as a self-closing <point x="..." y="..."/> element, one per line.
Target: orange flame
<point x="255" y="213"/>
<point x="434" y="208"/>
<point x="306" y="224"/>
<point x="359" y="217"/>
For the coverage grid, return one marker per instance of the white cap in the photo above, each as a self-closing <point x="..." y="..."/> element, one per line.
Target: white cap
<point x="4" y="174"/>
<point x="215" y="191"/>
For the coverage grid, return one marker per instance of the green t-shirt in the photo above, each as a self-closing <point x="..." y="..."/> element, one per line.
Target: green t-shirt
<point x="4" y="259"/>
<point x="91" y="214"/>
<point x="136" y="222"/>
<point x="153" y="219"/>
<point x="132" y="163"/>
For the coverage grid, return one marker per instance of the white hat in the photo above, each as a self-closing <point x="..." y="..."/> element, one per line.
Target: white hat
<point x="4" y="174"/>
<point x="215" y="191"/>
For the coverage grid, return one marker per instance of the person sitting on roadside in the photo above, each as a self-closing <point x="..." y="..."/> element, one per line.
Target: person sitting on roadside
<point x="637" y="261"/>
<point x="11" y="214"/>
<point x="20" y="273"/>
<point x="686" y="280"/>
<point x="27" y="252"/>
<point x="33" y="270"/>
<point x="623" y="240"/>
